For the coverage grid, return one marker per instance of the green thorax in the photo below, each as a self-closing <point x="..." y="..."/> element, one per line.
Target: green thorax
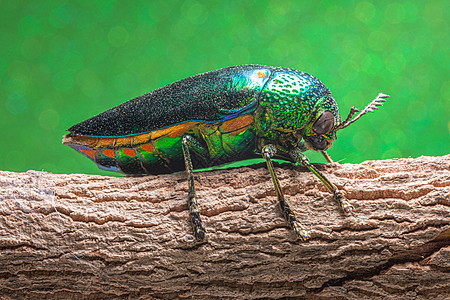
<point x="289" y="101"/>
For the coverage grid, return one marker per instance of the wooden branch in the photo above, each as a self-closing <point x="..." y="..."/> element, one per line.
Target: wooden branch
<point x="94" y="237"/>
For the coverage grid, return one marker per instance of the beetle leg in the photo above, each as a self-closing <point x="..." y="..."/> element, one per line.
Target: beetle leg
<point x="199" y="230"/>
<point x="298" y="156"/>
<point x="268" y="152"/>
<point x="327" y="156"/>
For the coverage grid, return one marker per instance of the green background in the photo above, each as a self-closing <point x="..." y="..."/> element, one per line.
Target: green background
<point x="63" y="62"/>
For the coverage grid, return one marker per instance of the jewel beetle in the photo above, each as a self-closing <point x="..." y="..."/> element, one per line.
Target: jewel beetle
<point x="217" y="117"/>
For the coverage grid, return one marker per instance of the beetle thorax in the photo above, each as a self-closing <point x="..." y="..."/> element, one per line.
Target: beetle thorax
<point x="269" y="131"/>
<point x="287" y="103"/>
<point x="290" y="97"/>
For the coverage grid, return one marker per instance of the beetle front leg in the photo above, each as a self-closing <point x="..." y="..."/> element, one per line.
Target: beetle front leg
<point x="199" y="230"/>
<point x="268" y="152"/>
<point x="327" y="156"/>
<point x="298" y="156"/>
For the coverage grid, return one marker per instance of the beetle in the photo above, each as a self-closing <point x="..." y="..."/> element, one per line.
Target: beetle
<point x="230" y="114"/>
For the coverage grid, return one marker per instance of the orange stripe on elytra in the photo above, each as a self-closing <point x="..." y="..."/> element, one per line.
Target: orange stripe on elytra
<point x="148" y="147"/>
<point x="140" y="139"/>
<point x="105" y="143"/>
<point x="129" y="152"/>
<point x="237" y="123"/>
<point x="91" y="141"/>
<point x="124" y="141"/>
<point x="158" y="133"/>
<point x="180" y="129"/>
<point x="88" y="141"/>
<point x="90" y="153"/>
<point x="109" y="153"/>
<point x="173" y="131"/>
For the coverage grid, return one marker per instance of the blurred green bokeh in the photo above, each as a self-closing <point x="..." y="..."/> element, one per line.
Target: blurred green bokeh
<point x="63" y="62"/>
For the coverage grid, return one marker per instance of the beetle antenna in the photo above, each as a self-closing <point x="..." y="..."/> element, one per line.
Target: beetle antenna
<point x="375" y="104"/>
<point x="353" y="111"/>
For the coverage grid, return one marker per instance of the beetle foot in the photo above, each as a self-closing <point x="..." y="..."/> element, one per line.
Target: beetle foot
<point x="346" y="206"/>
<point x="199" y="234"/>
<point x="343" y="203"/>
<point x="199" y="230"/>
<point x="300" y="231"/>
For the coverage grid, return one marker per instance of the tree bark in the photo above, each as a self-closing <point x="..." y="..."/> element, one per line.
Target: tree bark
<point x="95" y="237"/>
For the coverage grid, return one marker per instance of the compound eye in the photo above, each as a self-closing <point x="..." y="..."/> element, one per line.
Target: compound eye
<point x="324" y="123"/>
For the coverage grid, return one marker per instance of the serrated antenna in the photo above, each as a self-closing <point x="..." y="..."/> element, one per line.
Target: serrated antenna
<point x="371" y="107"/>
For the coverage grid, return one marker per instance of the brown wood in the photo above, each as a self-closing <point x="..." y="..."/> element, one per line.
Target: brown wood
<point x="95" y="237"/>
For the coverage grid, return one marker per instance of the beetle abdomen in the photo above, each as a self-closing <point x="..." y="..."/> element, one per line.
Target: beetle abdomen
<point x="160" y="151"/>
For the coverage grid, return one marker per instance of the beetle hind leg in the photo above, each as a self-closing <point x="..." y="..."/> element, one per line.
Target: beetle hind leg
<point x="199" y="230"/>
<point x="268" y="152"/>
<point x="298" y="156"/>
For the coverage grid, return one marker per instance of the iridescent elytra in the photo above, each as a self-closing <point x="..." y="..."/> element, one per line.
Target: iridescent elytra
<point x="217" y="117"/>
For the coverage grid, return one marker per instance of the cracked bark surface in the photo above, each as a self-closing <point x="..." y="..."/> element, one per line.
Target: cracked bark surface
<point x="96" y="237"/>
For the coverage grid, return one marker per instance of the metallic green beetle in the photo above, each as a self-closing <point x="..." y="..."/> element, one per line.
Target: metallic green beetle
<point x="226" y="115"/>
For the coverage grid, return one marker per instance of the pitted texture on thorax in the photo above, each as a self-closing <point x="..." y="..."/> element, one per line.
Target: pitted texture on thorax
<point x="290" y="96"/>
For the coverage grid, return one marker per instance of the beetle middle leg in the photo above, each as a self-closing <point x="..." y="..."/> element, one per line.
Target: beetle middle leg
<point x="268" y="152"/>
<point x="199" y="230"/>
<point x="298" y="156"/>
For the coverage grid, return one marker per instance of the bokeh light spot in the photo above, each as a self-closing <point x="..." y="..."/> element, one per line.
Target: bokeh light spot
<point x="19" y="78"/>
<point x="422" y="82"/>
<point x="411" y="11"/>
<point x="377" y="40"/>
<point x="62" y="15"/>
<point x="49" y="119"/>
<point x="195" y="12"/>
<point x="16" y="104"/>
<point x="180" y="30"/>
<point x="395" y="13"/>
<point x="118" y="36"/>
<point x="349" y="70"/>
<point x="91" y="84"/>
<point x="28" y="26"/>
<point x="365" y="11"/>
<point x="391" y="153"/>
<point x="362" y="141"/>
<point x="352" y="47"/>
<point x="433" y="13"/>
<point x="280" y="7"/>
<point x="393" y="137"/>
<point x="372" y="64"/>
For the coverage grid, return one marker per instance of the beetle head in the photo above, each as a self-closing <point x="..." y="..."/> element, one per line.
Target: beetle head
<point x="320" y="132"/>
